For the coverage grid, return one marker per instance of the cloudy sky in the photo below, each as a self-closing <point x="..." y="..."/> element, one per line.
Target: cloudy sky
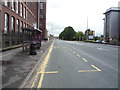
<point x="63" y="13"/>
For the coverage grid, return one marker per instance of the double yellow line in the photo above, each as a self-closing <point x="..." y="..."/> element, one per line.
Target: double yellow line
<point x="42" y="69"/>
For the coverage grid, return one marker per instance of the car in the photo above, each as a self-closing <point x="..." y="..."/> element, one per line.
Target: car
<point x="97" y="41"/>
<point x="104" y="42"/>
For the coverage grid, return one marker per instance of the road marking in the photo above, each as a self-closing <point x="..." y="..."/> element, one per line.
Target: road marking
<point x="6" y="55"/>
<point x="32" y="71"/>
<point x="87" y="70"/>
<point x="49" y="72"/>
<point x="74" y="52"/>
<point x="102" y="49"/>
<point x="96" y="68"/>
<point x="78" y="55"/>
<point x="84" y="59"/>
<point x="42" y="69"/>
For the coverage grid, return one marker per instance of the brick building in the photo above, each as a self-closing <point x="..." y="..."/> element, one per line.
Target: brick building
<point x="42" y="24"/>
<point x="19" y="14"/>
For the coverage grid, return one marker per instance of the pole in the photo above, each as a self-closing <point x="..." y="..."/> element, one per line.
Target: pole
<point x="87" y="22"/>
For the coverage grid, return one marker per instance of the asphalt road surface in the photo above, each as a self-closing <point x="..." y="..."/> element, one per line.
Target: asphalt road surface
<point x="72" y="64"/>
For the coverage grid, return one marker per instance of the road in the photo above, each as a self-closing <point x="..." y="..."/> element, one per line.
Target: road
<point x="72" y="64"/>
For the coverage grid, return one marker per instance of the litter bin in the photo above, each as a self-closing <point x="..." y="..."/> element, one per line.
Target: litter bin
<point x="33" y="48"/>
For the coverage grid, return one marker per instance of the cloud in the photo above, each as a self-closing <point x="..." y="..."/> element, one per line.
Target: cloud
<point x="63" y="13"/>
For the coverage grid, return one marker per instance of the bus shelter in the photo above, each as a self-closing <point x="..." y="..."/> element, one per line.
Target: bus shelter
<point x="30" y="35"/>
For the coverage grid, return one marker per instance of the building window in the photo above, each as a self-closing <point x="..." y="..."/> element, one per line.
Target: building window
<point x="6" y="3"/>
<point x="41" y="5"/>
<point x="13" y="24"/>
<point x="41" y="24"/>
<point x="13" y="5"/>
<point x="17" y="25"/>
<point x="21" y="10"/>
<point x="24" y="25"/>
<point x="21" y="26"/>
<point x="41" y="16"/>
<point x="17" y="6"/>
<point x="24" y="12"/>
<point x="6" y="24"/>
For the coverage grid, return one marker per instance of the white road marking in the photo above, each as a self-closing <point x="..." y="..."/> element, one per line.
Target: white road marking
<point x="5" y="55"/>
<point x="102" y="49"/>
<point x="84" y="59"/>
<point x="78" y="55"/>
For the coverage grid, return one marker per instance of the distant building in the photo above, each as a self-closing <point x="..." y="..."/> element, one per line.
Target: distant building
<point x="112" y="26"/>
<point x="0" y="25"/>
<point x="42" y="24"/>
<point x="90" y="34"/>
<point x="19" y="14"/>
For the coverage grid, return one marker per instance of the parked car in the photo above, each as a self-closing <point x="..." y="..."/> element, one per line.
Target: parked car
<point x="98" y="41"/>
<point x="104" y="42"/>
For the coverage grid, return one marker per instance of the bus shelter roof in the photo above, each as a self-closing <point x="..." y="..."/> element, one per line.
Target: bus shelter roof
<point x="32" y="29"/>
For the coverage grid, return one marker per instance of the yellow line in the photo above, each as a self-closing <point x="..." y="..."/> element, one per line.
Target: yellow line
<point x="33" y="84"/>
<point x="87" y="70"/>
<point x="84" y="59"/>
<point x="78" y="55"/>
<point x="50" y="72"/>
<point x="44" y="67"/>
<point x="96" y="68"/>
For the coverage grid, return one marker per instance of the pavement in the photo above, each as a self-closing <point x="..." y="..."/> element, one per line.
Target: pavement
<point x="71" y="64"/>
<point x="16" y="65"/>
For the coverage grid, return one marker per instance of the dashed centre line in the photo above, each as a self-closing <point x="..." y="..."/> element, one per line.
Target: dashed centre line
<point x="74" y="52"/>
<point x="84" y="59"/>
<point x="78" y="55"/>
<point x="96" y="68"/>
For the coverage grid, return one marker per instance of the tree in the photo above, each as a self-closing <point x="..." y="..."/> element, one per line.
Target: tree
<point x="68" y="33"/>
<point x="79" y="35"/>
<point x="97" y="38"/>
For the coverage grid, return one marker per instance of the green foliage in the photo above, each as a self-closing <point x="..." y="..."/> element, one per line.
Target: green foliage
<point x="67" y="34"/>
<point x="79" y="35"/>
<point x="97" y="38"/>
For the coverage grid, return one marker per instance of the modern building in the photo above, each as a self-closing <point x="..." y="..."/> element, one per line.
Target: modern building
<point x="111" y="25"/>
<point x="19" y="14"/>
